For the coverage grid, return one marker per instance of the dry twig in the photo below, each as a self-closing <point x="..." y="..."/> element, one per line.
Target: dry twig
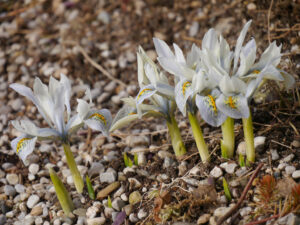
<point x="269" y="15"/>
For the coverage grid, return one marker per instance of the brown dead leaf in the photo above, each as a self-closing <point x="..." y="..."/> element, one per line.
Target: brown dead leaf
<point x="285" y="186"/>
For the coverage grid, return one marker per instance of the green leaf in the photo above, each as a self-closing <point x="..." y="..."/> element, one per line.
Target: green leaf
<point x="109" y="202"/>
<point x="241" y="160"/>
<point x="90" y="187"/>
<point x="127" y="161"/>
<point x="135" y="159"/>
<point x="226" y="190"/>
<point x="61" y="193"/>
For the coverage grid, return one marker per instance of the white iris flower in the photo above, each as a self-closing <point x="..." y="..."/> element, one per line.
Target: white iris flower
<point x="51" y="102"/>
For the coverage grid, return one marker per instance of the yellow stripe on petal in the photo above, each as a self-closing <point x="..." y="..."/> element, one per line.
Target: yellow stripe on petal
<point x="98" y="117"/>
<point x="256" y="71"/>
<point x="144" y="91"/>
<point x="185" y="85"/>
<point x="211" y="100"/>
<point x="231" y="102"/>
<point x="132" y="113"/>
<point x="22" y="144"/>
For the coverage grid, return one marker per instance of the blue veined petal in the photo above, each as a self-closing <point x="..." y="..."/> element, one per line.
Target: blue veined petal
<point x="124" y="116"/>
<point x="99" y="120"/>
<point x="65" y="82"/>
<point x="144" y="93"/>
<point x="182" y="93"/>
<point x="233" y="106"/>
<point x="23" y="146"/>
<point x="208" y="109"/>
<point x="162" y="49"/>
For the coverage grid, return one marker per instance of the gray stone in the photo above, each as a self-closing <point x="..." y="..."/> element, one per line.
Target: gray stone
<point x="109" y="176"/>
<point x="133" y="141"/>
<point x="92" y="212"/>
<point x="20" y="188"/>
<point x="12" y="178"/>
<point x="289" y="158"/>
<point x="32" y="201"/>
<point x="9" y="190"/>
<point x="290" y="170"/>
<point x="34" y="168"/>
<point x="96" y="169"/>
<point x="16" y="104"/>
<point x="118" y="204"/>
<point x="296" y="174"/>
<point x="203" y="219"/>
<point x="168" y="162"/>
<point x="2" y="220"/>
<point x="274" y="154"/>
<point x="221" y="211"/>
<point x="104" y="17"/>
<point x="245" y="211"/>
<point x="134" y="183"/>
<point x="216" y="172"/>
<point x="194" y="29"/>
<point x="241" y="171"/>
<point x="133" y="218"/>
<point x="96" y="221"/>
<point x="259" y="143"/>
<point x="110" y="156"/>
<point x="142" y="214"/>
<point x="229" y="167"/>
<point x="241" y="149"/>
<point x="290" y="219"/>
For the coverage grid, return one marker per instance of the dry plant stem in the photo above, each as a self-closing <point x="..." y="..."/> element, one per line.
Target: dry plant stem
<point x="227" y="143"/>
<point x="243" y="196"/>
<point x="249" y="138"/>
<point x="61" y="193"/>
<point x="73" y="168"/>
<point x="176" y="139"/>
<point x="197" y="133"/>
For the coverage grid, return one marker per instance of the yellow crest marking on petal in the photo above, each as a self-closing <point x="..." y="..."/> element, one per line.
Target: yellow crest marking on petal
<point x="256" y="71"/>
<point x="185" y="85"/>
<point x="143" y="92"/>
<point x="212" y="103"/>
<point x="132" y="113"/>
<point x="22" y="144"/>
<point x="98" y="117"/>
<point x="231" y="102"/>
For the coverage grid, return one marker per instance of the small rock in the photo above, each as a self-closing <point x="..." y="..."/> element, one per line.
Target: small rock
<point x="281" y="166"/>
<point x="92" y="212"/>
<point x="110" y="87"/>
<point x="141" y="158"/>
<point x="96" y="169"/>
<point x="134" y="183"/>
<point x="251" y="6"/>
<point x="241" y="171"/>
<point x="221" y="211"/>
<point x="259" y="143"/>
<point x="109" y="176"/>
<point x="133" y="218"/>
<point x="127" y="209"/>
<point x="296" y="143"/>
<point x="16" y="104"/>
<point x="142" y="214"/>
<point x="20" y="188"/>
<point x="290" y="219"/>
<point x="182" y="168"/>
<point x="203" y="219"/>
<point x="2" y="220"/>
<point x="241" y="149"/>
<point x="274" y="154"/>
<point x="135" y="197"/>
<point x="296" y="174"/>
<point x="216" y="172"/>
<point x="124" y="197"/>
<point x="9" y="190"/>
<point x="133" y="141"/>
<point x="195" y="171"/>
<point x="32" y="201"/>
<point x="104" y="17"/>
<point x="163" y="154"/>
<point x="290" y="170"/>
<point x="229" y="167"/>
<point x="118" y="204"/>
<point x="12" y="178"/>
<point x="36" y="210"/>
<point x="194" y="29"/>
<point x="168" y="162"/>
<point x="96" y="221"/>
<point x="34" y="168"/>
<point x="106" y="191"/>
<point x="289" y="158"/>
<point x="245" y="211"/>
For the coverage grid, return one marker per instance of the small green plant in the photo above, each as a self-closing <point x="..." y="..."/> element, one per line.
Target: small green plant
<point x="109" y="204"/>
<point x="127" y="161"/>
<point x="241" y="160"/>
<point x="226" y="190"/>
<point x="135" y="159"/>
<point x="90" y="187"/>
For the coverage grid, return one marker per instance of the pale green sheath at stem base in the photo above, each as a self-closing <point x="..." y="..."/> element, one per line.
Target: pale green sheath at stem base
<point x="197" y="133"/>
<point x="227" y="143"/>
<point x="177" y="142"/>
<point x="61" y="193"/>
<point x="78" y="181"/>
<point x="249" y="138"/>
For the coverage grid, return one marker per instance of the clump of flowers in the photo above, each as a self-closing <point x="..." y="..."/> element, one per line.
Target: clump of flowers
<point x="53" y="103"/>
<point x="155" y="88"/>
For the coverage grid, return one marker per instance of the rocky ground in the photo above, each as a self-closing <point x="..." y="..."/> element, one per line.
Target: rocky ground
<point x="43" y="38"/>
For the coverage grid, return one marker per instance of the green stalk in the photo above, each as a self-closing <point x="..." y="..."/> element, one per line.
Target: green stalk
<point x="61" y="193"/>
<point x="249" y="138"/>
<point x="227" y="143"/>
<point x="177" y="142"/>
<point x="197" y="133"/>
<point x="73" y="168"/>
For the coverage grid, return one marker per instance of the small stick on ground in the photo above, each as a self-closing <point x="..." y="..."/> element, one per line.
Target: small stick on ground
<point x="236" y="207"/>
<point x="263" y="220"/>
<point x="269" y="15"/>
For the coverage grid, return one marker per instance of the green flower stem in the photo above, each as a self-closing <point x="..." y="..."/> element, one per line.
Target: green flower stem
<point x="73" y="168"/>
<point x="227" y="143"/>
<point x="61" y="193"/>
<point x="177" y="142"/>
<point x="202" y="147"/>
<point x="249" y="138"/>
